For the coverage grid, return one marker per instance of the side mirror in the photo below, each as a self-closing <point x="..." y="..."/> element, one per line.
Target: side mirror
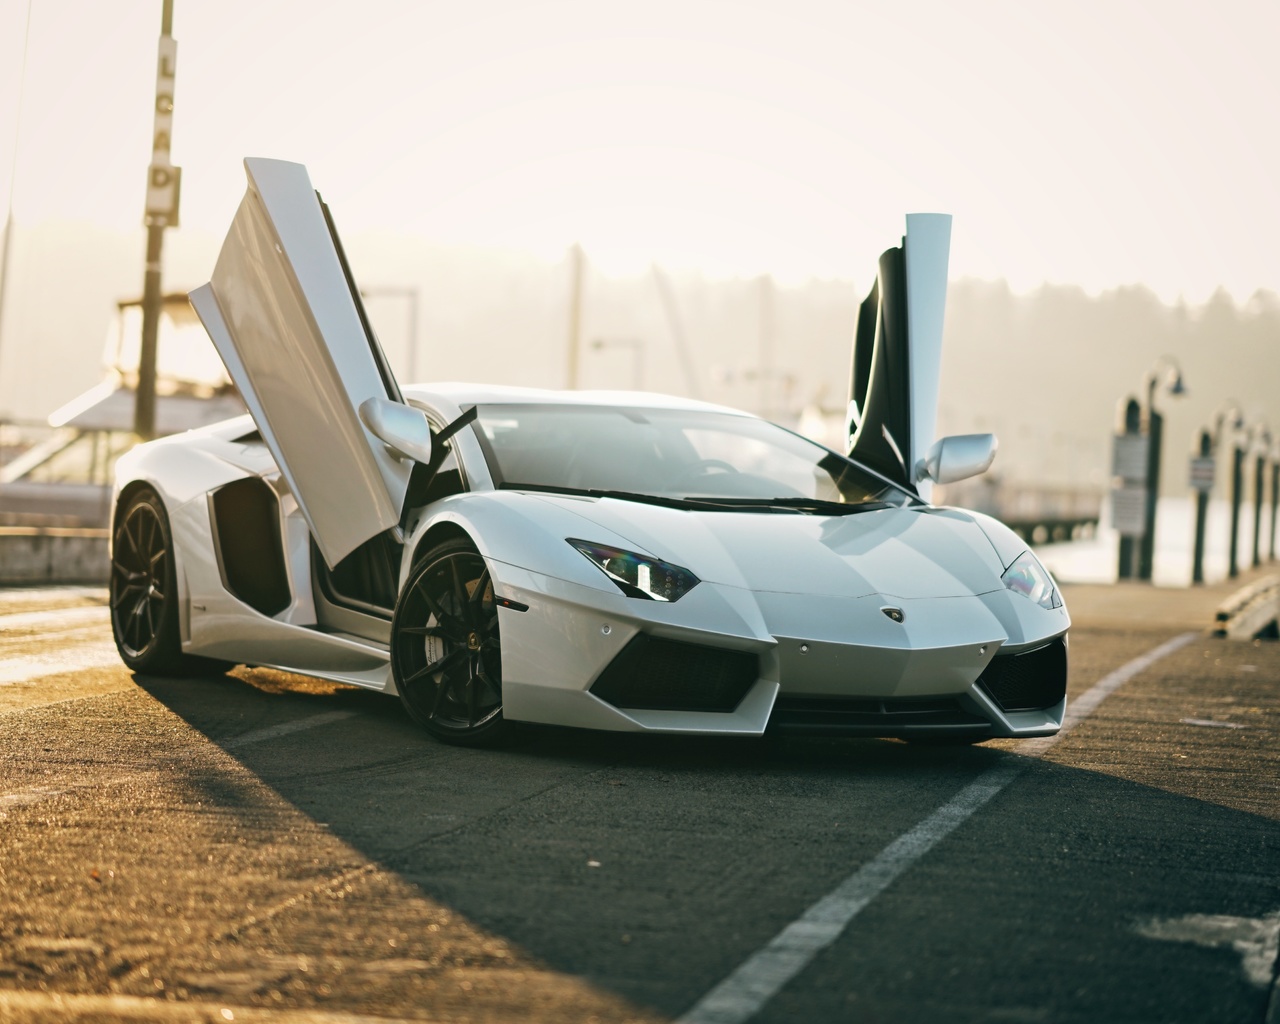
<point x="957" y="457"/>
<point x="402" y="428"/>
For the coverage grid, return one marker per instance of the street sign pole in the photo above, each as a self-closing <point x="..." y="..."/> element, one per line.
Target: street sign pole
<point x="1237" y="491"/>
<point x="161" y="212"/>
<point x="1155" y="437"/>
<point x="1203" y="467"/>
<point x="1130" y="464"/>
<point x="1275" y="497"/>
<point x="1259" y="475"/>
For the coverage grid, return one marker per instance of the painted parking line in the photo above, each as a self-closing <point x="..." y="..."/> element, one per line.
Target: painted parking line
<point x="91" y="1007"/>
<point x="17" y="595"/>
<point x="34" y="794"/>
<point x="85" y="656"/>
<point x="60" y="619"/>
<point x="745" y="992"/>
<point x="272" y="732"/>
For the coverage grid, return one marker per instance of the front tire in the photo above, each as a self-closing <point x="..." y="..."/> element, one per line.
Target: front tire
<point x="446" y="655"/>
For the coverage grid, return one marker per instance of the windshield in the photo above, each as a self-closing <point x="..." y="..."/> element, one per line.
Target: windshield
<point x="677" y="454"/>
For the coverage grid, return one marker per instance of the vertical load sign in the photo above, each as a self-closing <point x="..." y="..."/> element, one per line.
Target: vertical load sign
<point x="1129" y="494"/>
<point x="163" y="179"/>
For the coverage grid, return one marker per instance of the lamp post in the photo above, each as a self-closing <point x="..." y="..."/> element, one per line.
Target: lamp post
<point x="163" y="187"/>
<point x="6" y="251"/>
<point x="1203" y="471"/>
<point x="1260" y="431"/>
<point x="1166" y="369"/>
<point x="1237" y="484"/>
<point x="1275" y="496"/>
<point x="1129" y="467"/>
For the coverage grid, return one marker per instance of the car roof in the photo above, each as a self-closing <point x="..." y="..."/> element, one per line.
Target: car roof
<point x="462" y="394"/>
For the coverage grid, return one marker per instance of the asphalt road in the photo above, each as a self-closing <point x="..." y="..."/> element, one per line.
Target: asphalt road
<point x="263" y="847"/>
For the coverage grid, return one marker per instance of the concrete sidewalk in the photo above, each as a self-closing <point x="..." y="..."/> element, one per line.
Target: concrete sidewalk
<point x="1133" y="605"/>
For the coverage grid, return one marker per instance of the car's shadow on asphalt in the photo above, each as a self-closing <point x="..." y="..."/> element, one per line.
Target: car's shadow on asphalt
<point x="653" y="865"/>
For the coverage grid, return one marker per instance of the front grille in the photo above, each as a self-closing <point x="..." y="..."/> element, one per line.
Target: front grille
<point x="872" y="716"/>
<point x="1031" y="681"/>
<point x="651" y="674"/>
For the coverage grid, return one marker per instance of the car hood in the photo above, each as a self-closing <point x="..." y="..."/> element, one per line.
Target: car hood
<point x="918" y="552"/>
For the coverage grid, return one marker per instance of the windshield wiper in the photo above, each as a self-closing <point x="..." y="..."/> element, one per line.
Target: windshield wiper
<point x="684" y="504"/>
<point x="795" y="506"/>
<point x="814" y="505"/>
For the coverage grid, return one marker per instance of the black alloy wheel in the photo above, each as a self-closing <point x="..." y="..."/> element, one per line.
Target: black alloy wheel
<point x="445" y="650"/>
<point x="144" y="606"/>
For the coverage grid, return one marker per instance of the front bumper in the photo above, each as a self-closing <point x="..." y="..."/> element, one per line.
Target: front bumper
<point x="825" y="664"/>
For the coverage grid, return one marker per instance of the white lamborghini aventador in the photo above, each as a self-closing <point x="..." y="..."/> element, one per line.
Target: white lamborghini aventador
<point x="607" y="560"/>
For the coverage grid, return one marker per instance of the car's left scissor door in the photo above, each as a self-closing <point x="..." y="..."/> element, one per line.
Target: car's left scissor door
<point x="285" y="316"/>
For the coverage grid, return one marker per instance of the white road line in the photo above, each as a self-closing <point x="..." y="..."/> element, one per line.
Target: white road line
<point x="16" y="595"/>
<point x="744" y="992"/>
<point x="85" y="656"/>
<point x="57" y="618"/>
<point x="30" y="795"/>
<point x="34" y="794"/>
<point x="162" y="1011"/>
<point x="271" y="732"/>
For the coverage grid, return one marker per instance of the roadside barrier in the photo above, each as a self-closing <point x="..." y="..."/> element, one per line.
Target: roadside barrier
<point x="53" y="554"/>
<point x="1250" y="613"/>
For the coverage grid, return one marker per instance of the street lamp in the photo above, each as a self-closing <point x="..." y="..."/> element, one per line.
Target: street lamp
<point x="1237" y="479"/>
<point x="1275" y="494"/>
<point x="1165" y="371"/>
<point x="1260" y="431"/>
<point x="1203" y="470"/>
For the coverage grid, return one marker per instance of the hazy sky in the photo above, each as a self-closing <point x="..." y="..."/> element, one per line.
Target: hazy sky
<point x="1099" y="143"/>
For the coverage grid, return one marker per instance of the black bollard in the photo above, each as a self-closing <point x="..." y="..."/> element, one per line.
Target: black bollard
<point x="1202" y="512"/>
<point x="1275" y="497"/>
<point x="1147" y="548"/>
<point x="1259" y="475"/>
<point x="1132" y="427"/>
<point x="1237" y="485"/>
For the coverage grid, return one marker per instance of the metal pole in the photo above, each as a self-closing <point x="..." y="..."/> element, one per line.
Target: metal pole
<point x="6" y="254"/>
<point x="1275" y="498"/>
<point x="144" y="410"/>
<point x="1202" y="511"/>
<point x="413" y="335"/>
<point x="1155" y="430"/>
<point x="1237" y="486"/>
<point x="675" y="323"/>
<point x="1128" y="549"/>
<point x="575" y="312"/>
<point x="1259" y="471"/>
<point x="766" y="346"/>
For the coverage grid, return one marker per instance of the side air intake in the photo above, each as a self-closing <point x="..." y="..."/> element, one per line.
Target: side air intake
<point x="651" y="674"/>
<point x="1030" y="681"/>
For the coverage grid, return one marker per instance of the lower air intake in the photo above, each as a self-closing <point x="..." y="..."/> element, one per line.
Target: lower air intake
<point x="1031" y="681"/>
<point x="875" y="716"/>
<point x="651" y="674"/>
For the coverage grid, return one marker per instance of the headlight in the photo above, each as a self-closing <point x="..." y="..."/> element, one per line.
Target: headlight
<point x="638" y="575"/>
<point x="1032" y="580"/>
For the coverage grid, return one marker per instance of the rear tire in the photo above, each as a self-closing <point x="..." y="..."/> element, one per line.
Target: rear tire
<point x="144" y="592"/>
<point x="446" y="655"/>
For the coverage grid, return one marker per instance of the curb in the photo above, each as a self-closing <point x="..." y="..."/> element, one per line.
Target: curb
<point x="1250" y="612"/>
<point x="53" y="554"/>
